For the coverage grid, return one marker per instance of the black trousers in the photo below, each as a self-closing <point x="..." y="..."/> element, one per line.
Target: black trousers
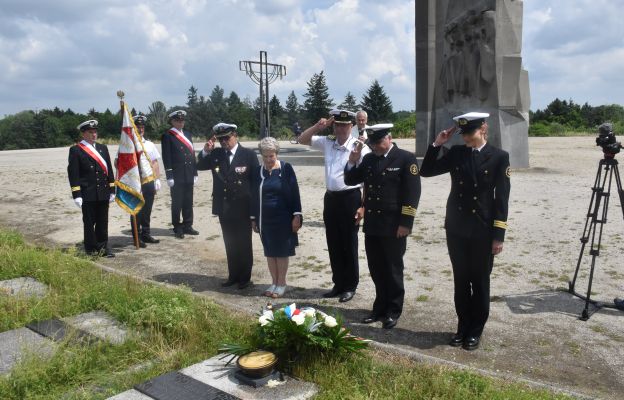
<point x="238" y="248"/>
<point x="385" y="263"/>
<point x="182" y="201"/>
<point x="95" y="223"/>
<point x="339" y="210"/>
<point x="472" y="264"/>
<point x="144" y="216"/>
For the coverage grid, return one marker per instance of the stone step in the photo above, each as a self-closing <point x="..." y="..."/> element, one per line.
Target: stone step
<point x="25" y="287"/>
<point x="14" y="344"/>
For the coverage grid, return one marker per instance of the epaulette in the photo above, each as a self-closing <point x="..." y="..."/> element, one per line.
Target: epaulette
<point x="331" y="137"/>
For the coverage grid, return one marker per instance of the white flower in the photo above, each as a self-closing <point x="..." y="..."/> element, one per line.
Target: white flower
<point x="268" y="314"/>
<point x="308" y="311"/>
<point x="298" y="319"/>
<point x="263" y="320"/>
<point x="330" y="321"/>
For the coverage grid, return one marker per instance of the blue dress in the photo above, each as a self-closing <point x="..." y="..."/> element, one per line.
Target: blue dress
<point x="276" y="232"/>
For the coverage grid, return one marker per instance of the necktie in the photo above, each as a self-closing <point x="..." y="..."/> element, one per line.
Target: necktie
<point x="229" y="154"/>
<point x="473" y="161"/>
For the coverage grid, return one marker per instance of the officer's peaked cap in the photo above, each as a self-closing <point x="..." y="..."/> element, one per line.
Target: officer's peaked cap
<point x="222" y="129"/>
<point x="178" y="114"/>
<point x="470" y="121"/>
<point x="90" y="124"/>
<point x="342" y="116"/>
<point x="378" y="131"/>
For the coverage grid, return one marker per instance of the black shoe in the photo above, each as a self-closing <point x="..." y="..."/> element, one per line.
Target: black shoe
<point x="370" y="319"/>
<point x="191" y="231"/>
<point x="107" y="253"/>
<point x="228" y="283"/>
<point x="332" y="293"/>
<point x="619" y="303"/>
<point x="142" y="244"/>
<point x="149" y="239"/>
<point x="471" y="343"/>
<point x="179" y="235"/>
<point x="244" y="285"/>
<point x="389" y="323"/>
<point x="346" y="296"/>
<point x="457" y="340"/>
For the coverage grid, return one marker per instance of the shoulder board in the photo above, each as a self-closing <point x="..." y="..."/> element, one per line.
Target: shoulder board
<point x="331" y="137"/>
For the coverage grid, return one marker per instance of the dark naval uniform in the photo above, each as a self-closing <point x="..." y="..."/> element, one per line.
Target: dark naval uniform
<point x="391" y="195"/>
<point x="476" y="214"/>
<point x="179" y="162"/>
<point x="90" y="181"/>
<point x="231" y="197"/>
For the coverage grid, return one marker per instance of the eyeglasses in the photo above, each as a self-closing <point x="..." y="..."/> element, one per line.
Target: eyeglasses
<point x="224" y="138"/>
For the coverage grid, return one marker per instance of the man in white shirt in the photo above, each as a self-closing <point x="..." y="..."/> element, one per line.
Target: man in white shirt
<point x="359" y="130"/>
<point x="342" y="209"/>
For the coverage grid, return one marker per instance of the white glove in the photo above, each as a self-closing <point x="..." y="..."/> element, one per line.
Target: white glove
<point x="111" y="198"/>
<point x="195" y="178"/>
<point x="78" y="202"/>
<point x="157" y="184"/>
<point x="170" y="182"/>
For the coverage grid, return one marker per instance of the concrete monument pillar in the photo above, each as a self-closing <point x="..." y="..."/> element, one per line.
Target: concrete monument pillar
<point x="468" y="58"/>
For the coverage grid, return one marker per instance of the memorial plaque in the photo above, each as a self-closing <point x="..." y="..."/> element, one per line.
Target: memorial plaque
<point x="58" y="330"/>
<point x="177" y="386"/>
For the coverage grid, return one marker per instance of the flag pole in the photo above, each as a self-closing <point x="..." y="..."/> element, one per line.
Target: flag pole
<point x="135" y="231"/>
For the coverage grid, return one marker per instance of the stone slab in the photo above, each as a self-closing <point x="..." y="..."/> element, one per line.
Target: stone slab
<point x="17" y="342"/>
<point x="58" y="330"/>
<point x="215" y="373"/>
<point x="25" y="286"/>
<point x="131" y="394"/>
<point x="177" y="386"/>
<point x="101" y="325"/>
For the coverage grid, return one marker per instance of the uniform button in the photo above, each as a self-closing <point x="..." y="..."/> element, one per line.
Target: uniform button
<point x="461" y="195"/>
<point x="378" y="211"/>
<point x="369" y="198"/>
<point x="225" y="190"/>
<point x="456" y="168"/>
<point x="474" y="198"/>
<point x="474" y="211"/>
<point x="370" y="211"/>
<point x="377" y="198"/>
<point x="383" y="173"/>
<point x="475" y="185"/>
<point x="485" y="172"/>
<point x="461" y="182"/>
<point x="370" y="186"/>
<point x="459" y="208"/>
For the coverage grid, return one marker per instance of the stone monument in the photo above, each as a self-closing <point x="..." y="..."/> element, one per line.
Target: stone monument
<point x="468" y="59"/>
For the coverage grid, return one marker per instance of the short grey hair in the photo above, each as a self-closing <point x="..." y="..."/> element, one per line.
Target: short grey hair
<point x="269" y="144"/>
<point x="361" y="112"/>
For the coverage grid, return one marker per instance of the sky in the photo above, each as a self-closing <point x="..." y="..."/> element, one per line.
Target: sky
<point x="77" y="53"/>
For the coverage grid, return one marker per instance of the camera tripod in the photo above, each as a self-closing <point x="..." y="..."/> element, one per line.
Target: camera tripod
<point x="596" y="218"/>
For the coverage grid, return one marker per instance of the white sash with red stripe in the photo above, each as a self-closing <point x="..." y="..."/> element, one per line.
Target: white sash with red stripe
<point x="93" y="153"/>
<point x="180" y="136"/>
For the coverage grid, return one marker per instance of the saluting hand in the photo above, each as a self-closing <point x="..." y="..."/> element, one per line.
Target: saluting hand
<point x="209" y="146"/>
<point x="324" y="123"/>
<point x="444" y="136"/>
<point x="356" y="153"/>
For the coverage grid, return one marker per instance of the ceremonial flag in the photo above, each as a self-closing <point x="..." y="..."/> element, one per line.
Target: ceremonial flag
<point x="133" y="166"/>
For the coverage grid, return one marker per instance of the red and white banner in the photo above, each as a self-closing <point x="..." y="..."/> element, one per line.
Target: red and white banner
<point x="133" y="166"/>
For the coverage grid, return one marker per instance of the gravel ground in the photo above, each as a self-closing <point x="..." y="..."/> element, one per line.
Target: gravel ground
<point x="533" y="331"/>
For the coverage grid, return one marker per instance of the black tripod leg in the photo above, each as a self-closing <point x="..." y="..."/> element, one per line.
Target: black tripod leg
<point x="589" y="224"/>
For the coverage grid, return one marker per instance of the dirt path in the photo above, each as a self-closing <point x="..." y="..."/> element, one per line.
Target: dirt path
<point x="533" y="331"/>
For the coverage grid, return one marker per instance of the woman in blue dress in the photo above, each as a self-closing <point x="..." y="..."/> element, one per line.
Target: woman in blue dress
<point x="275" y="212"/>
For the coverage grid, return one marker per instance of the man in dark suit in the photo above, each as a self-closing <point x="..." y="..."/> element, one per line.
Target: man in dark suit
<point x="92" y="183"/>
<point x="178" y="158"/>
<point x="476" y="217"/>
<point x="391" y="195"/>
<point x="231" y="166"/>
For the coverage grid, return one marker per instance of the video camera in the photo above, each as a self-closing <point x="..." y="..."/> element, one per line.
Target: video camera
<point x="606" y="139"/>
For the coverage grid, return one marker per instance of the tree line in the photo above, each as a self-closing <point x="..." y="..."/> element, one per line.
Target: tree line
<point x="566" y="116"/>
<point x="57" y="127"/>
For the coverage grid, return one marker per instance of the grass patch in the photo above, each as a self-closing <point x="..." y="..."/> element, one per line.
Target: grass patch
<point x="179" y="329"/>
